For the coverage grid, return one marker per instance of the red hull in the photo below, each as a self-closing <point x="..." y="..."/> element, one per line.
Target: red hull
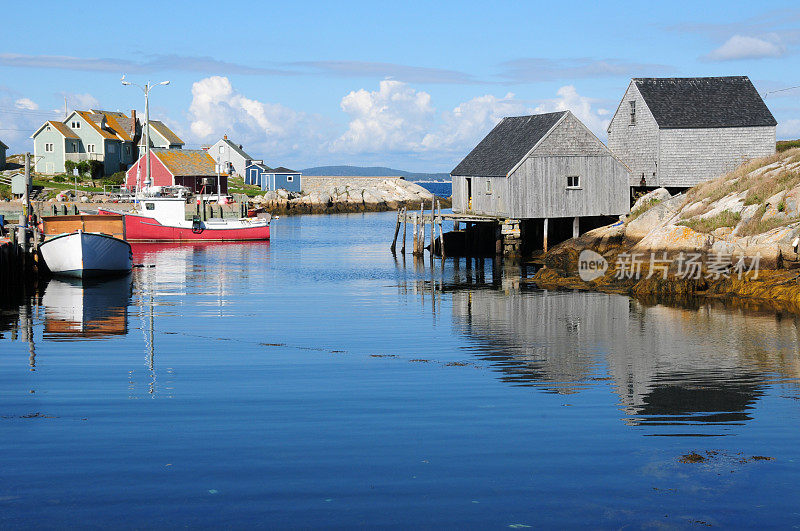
<point x="143" y="228"/>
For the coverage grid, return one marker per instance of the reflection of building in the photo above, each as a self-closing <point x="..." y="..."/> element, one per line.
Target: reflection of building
<point x="86" y="309"/>
<point x="666" y="364"/>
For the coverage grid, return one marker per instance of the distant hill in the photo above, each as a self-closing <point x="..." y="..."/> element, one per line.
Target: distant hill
<point x="375" y="171"/>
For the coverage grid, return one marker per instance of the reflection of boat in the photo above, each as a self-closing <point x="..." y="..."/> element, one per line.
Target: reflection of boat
<point x="86" y="254"/>
<point x="86" y="308"/>
<point x="164" y="219"/>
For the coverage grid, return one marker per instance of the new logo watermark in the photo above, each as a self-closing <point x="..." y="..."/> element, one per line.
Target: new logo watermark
<point x="591" y="265"/>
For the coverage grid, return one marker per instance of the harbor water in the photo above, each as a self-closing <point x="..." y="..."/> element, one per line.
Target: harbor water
<point x="317" y="381"/>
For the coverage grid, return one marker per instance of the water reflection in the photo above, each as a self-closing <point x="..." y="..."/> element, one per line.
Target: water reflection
<point x="81" y="309"/>
<point x="702" y="364"/>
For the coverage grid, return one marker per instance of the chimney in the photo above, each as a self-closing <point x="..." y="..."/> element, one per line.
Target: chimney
<point x="133" y="123"/>
<point x="225" y="137"/>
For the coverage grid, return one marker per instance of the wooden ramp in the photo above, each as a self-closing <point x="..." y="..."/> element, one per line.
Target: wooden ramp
<point x="112" y="225"/>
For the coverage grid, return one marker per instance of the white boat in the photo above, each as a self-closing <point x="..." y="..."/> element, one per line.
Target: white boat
<point x="86" y="254"/>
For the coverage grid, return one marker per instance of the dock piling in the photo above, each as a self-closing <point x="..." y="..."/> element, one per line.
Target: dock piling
<point x="396" y="232"/>
<point x="405" y="225"/>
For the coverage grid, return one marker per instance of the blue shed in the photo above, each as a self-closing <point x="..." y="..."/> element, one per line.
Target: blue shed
<point x="257" y="173"/>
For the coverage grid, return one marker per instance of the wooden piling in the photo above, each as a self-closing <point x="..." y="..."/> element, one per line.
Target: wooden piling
<point x="405" y="225"/>
<point x="414" y="242"/>
<point x="396" y="232"/>
<point x="544" y="232"/>
<point x="441" y="233"/>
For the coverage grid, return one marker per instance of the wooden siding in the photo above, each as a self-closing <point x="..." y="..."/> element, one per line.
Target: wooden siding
<point x="635" y="145"/>
<point x="538" y="187"/>
<point x="691" y="156"/>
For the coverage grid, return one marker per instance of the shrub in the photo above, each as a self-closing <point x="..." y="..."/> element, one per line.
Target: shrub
<point x="70" y="166"/>
<point x="783" y="145"/>
<point x="116" y="179"/>
<point x="95" y="168"/>
<point x="59" y="179"/>
<point x="83" y="167"/>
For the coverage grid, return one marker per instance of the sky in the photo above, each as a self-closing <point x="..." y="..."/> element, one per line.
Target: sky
<point x="410" y="85"/>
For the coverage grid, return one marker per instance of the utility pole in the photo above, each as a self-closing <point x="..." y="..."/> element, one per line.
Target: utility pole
<point x="146" y="89"/>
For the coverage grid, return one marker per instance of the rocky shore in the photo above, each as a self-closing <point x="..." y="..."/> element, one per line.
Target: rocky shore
<point x="728" y="238"/>
<point x="387" y="194"/>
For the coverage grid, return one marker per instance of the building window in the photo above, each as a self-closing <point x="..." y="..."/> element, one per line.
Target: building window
<point x="89" y="148"/>
<point x="573" y="182"/>
<point x="488" y="186"/>
<point x="289" y="178"/>
<point x="222" y="149"/>
<point x="111" y="148"/>
<point x="75" y="125"/>
<point x="127" y="150"/>
<point x="48" y="127"/>
<point x="633" y="112"/>
<point x="49" y="148"/>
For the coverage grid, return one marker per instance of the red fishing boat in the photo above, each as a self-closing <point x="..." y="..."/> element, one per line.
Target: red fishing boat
<point x="164" y="219"/>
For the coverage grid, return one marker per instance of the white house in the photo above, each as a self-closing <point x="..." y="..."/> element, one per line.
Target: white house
<point x="678" y="132"/>
<point x="231" y="157"/>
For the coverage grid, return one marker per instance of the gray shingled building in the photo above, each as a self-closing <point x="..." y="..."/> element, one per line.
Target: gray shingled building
<point x="678" y="132"/>
<point x="539" y="171"/>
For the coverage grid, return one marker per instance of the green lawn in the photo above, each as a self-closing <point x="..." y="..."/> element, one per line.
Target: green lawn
<point x="65" y="186"/>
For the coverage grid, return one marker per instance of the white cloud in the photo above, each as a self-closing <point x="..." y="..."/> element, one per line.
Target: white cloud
<point x="788" y="129"/>
<point x="81" y="102"/>
<point x="745" y="47"/>
<point x="393" y="118"/>
<point x="266" y="129"/>
<point x="26" y="104"/>
<point x="581" y="106"/>
<point x="464" y="126"/>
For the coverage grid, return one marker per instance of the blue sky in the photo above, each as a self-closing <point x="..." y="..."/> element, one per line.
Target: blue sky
<point x="410" y="85"/>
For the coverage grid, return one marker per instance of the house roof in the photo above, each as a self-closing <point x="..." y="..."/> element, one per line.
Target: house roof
<point x="281" y="169"/>
<point x="117" y="122"/>
<point x="506" y="145"/>
<point x="701" y="102"/>
<point x="162" y="129"/>
<point x="186" y="162"/>
<point x="237" y="149"/>
<point x="60" y="127"/>
<point x="93" y="118"/>
<point x="3" y="145"/>
<point x="261" y="165"/>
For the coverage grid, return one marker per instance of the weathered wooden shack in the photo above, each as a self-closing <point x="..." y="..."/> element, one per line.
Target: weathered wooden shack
<point x="679" y="132"/>
<point x="541" y="176"/>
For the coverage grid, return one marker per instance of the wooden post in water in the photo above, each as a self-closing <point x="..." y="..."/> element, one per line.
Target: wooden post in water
<point x="441" y="234"/>
<point x="433" y="230"/>
<point x="396" y="232"/>
<point x="421" y="250"/>
<point x="414" y="242"/>
<point x="405" y="225"/>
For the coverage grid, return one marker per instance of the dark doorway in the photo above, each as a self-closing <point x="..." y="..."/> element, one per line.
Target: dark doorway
<point x="469" y="193"/>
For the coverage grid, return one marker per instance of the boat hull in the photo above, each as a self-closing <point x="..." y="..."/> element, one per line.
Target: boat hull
<point x="86" y="255"/>
<point x="144" y="228"/>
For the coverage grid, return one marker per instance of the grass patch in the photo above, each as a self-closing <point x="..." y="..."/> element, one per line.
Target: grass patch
<point x="756" y="225"/>
<point x="783" y="145"/>
<point x="726" y="218"/>
<point x="644" y="207"/>
<point x="766" y="187"/>
<point x="236" y="185"/>
<point x="736" y="181"/>
<point x="65" y="186"/>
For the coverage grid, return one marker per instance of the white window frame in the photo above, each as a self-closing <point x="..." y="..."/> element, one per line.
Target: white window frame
<point x="90" y="148"/>
<point x="633" y="111"/>
<point x="290" y="178"/>
<point x="576" y="185"/>
<point x="75" y="125"/>
<point x="221" y="150"/>
<point x="49" y="147"/>
<point x="488" y="187"/>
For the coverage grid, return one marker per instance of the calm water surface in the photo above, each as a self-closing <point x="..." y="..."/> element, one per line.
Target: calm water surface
<point x="316" y="381"/>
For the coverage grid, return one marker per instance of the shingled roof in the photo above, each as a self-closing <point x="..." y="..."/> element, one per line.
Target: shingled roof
<point x="282" y="169"/>
<point x="506" y="145"/>
<point x="186" y="162"/>
<point x="700" y="102"/>
<point x="166" y="132"/>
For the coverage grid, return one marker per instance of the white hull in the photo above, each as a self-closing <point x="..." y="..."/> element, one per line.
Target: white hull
<point x="86" y="254"/>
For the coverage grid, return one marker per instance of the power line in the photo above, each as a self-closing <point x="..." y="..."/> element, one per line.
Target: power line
<point x="780" y="90"/>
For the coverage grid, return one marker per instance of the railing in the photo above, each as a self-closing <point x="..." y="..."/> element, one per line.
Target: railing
<point x="80" y="157"/>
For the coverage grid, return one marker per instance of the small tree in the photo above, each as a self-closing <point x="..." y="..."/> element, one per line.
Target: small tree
<point x="83" y="167"/>
<point x="95" y="169"/>
<point x="70" y="166"/>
